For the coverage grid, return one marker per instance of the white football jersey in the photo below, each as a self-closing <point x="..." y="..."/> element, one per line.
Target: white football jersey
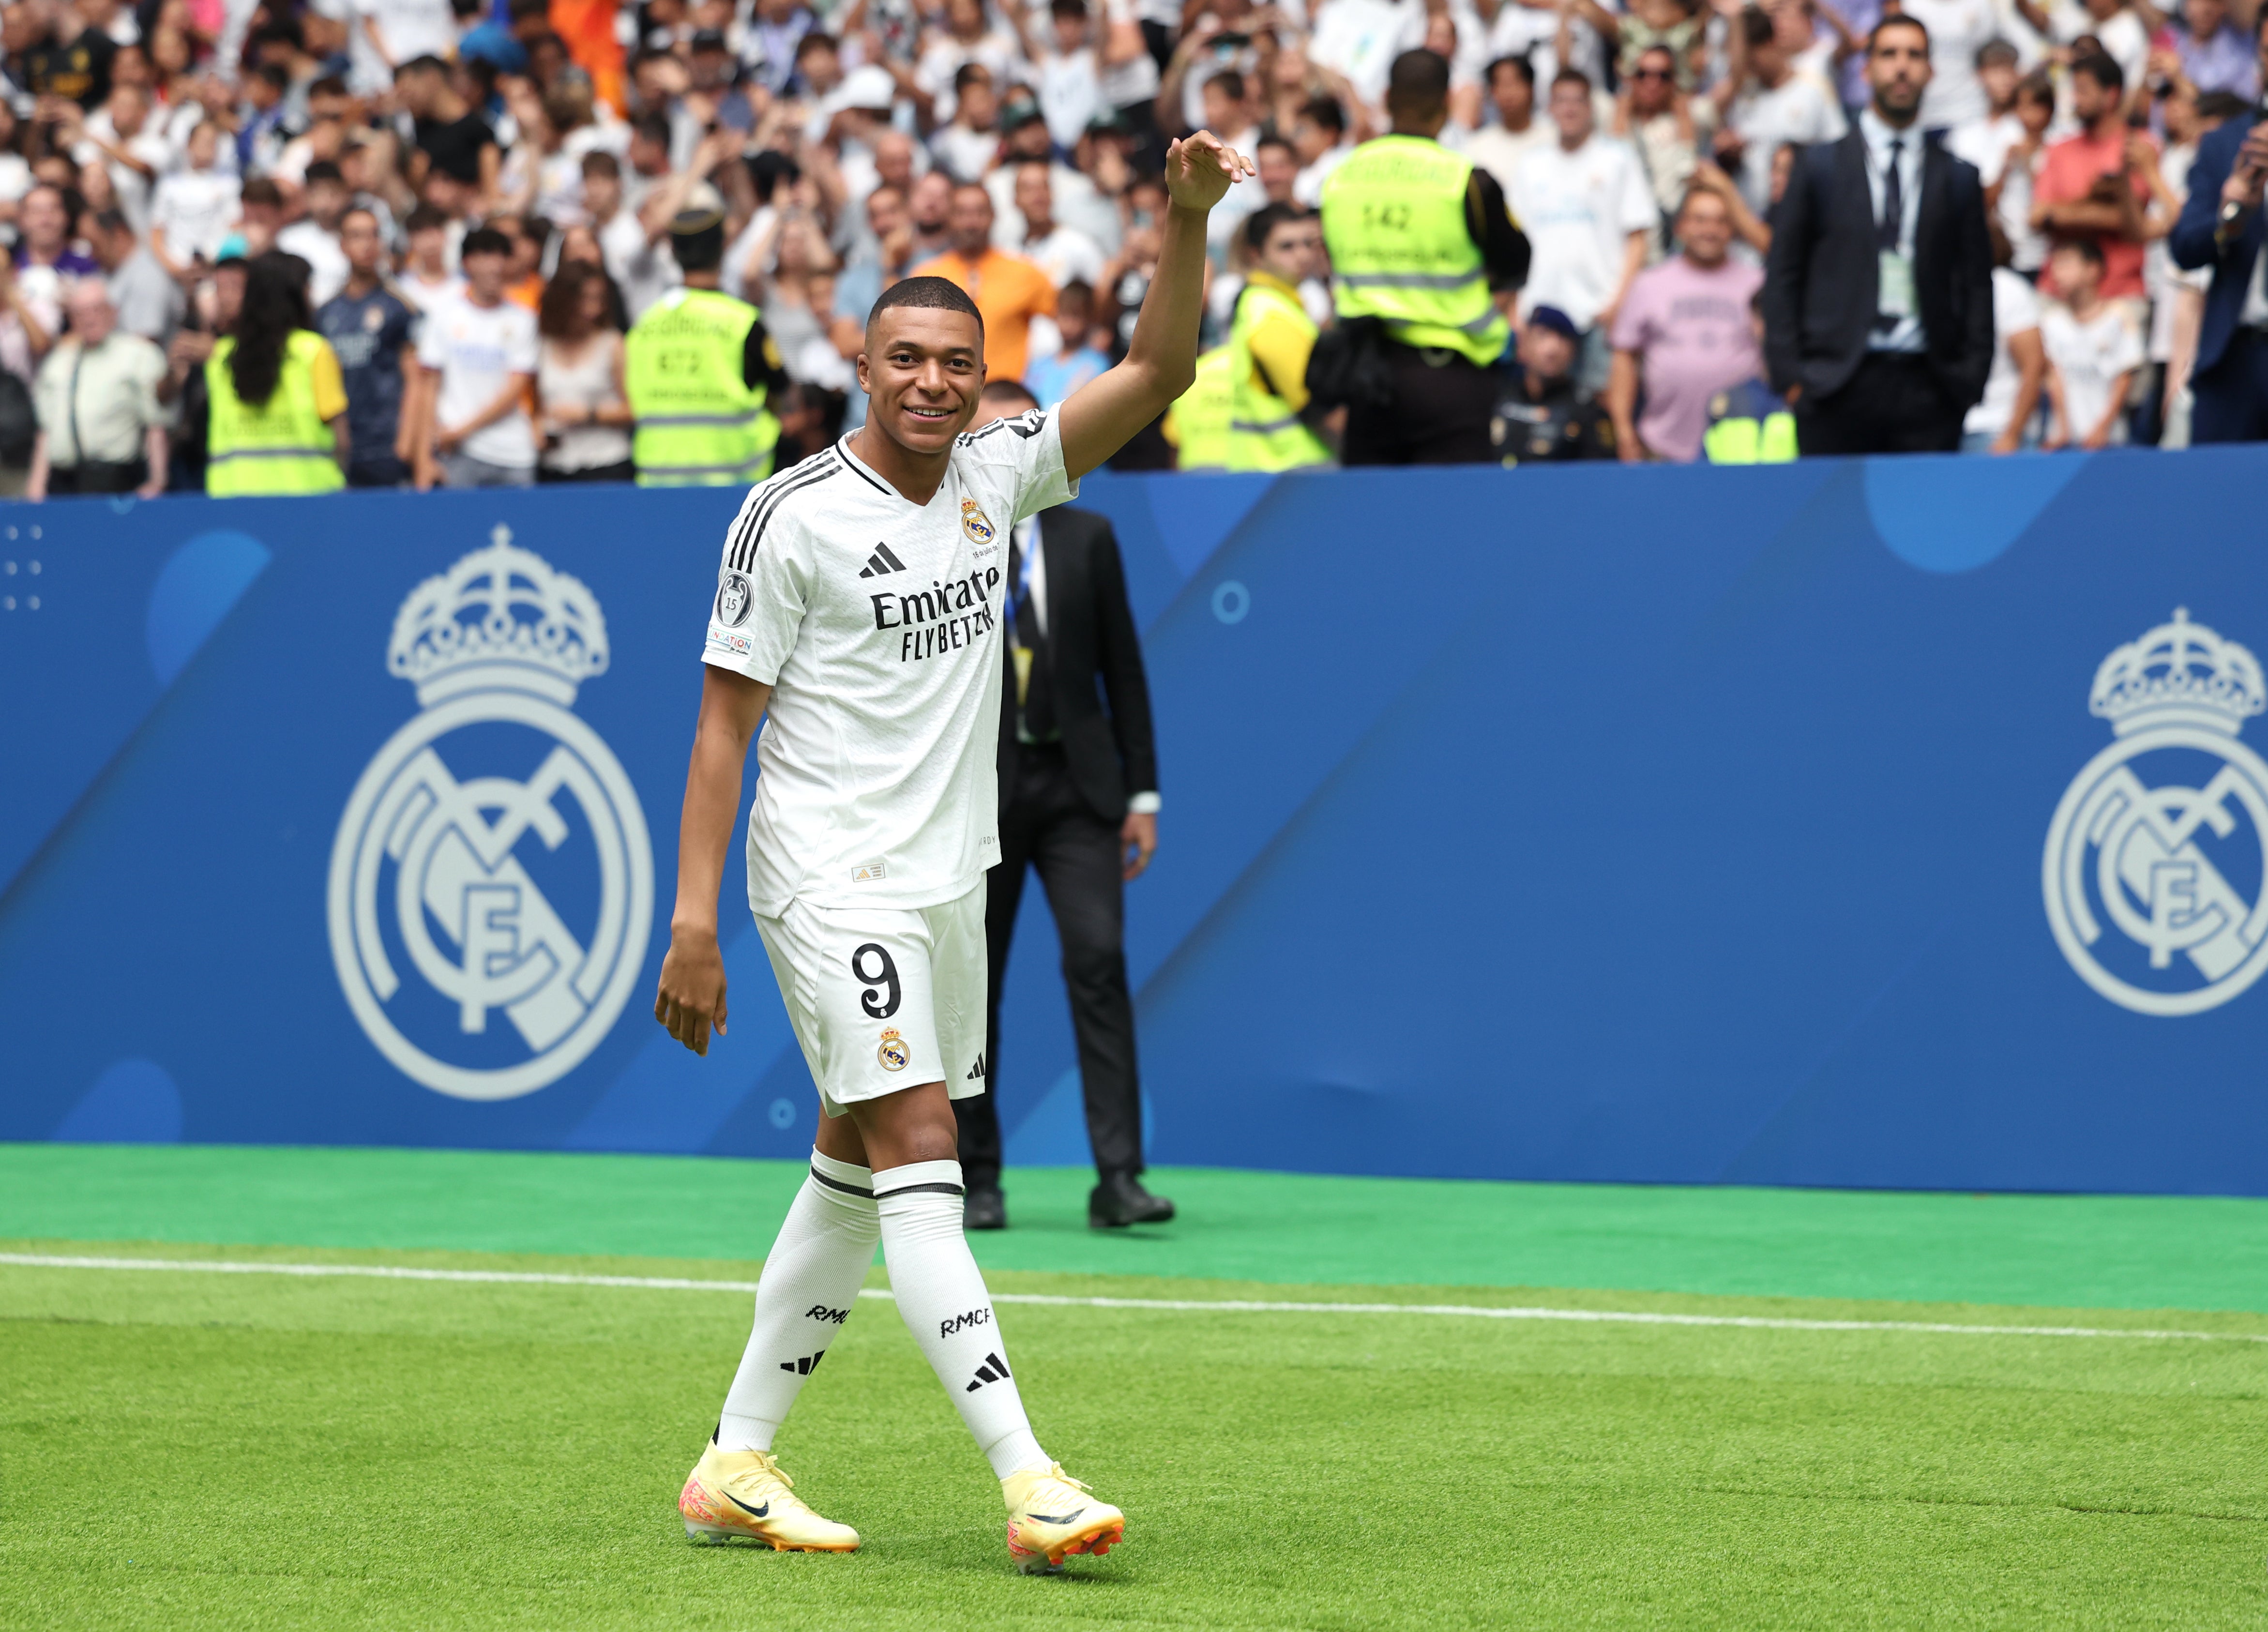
<point x="876" y="623"/>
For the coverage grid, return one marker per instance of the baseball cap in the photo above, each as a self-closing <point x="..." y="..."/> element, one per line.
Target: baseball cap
<point x="1016" y="112"/>
<point x="1558" y="321"/>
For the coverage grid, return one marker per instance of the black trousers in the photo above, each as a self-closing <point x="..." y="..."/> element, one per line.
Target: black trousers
<point x="1443" y="407"/>
<point x="2231" y="398"/>
<point x="96" y="476"/>
<point x="1045" y="824"/>
<point x="1892" y="405"/>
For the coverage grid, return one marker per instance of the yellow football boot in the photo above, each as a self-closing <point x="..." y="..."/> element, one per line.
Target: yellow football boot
<point x="1051" y="1514"/>
<point x="743" y="1494"/>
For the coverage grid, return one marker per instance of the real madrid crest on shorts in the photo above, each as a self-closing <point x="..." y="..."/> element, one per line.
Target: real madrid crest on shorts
<point x="486" y="930"/>
<point x="975" y="523"/>
<point x="894" y="1054"/>
<point x="2163" y="836"/>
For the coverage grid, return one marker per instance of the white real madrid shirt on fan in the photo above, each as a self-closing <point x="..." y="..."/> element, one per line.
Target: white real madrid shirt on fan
<point x="876" y="623"/>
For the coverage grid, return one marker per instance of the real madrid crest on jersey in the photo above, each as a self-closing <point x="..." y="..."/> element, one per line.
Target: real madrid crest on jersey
<point x="975" y="523"/>
<point x="491" y="884"/>
<point x="2153" y="870"/>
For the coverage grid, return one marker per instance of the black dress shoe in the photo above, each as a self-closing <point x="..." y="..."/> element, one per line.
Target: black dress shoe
<point x="984" y="1208"/>
<point x="1119" y="1199"/>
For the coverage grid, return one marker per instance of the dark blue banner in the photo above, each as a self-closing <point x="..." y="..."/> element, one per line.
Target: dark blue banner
<point x="1878" y="823"/>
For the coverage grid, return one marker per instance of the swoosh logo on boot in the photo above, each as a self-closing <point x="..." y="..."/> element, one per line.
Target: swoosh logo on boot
<point x="1057" y="1518"/>
<point x="765" y="1510"/>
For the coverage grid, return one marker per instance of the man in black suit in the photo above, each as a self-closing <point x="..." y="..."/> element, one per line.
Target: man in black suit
<point x="2220" y="227"/>
<point x="1078" y="800"/>
<point x="1878" y="293"/>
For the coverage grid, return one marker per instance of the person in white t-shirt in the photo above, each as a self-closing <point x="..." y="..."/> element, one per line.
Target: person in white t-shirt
<point x="477" y="357"/>
<point x="1584" y="203"/>
<point x="192" y="208"/>
<point x="429" y="279"/>
<point x="389" y="32"/>
<point x="1063" y="252"/>
<point x="1498" y="148"/>
<point x="314" y="238"/>
<point x="1765" y="104"/>
<point x="2092" y="352"/>
<point x="2003" y="419"/>
<point x="860" y="605"/>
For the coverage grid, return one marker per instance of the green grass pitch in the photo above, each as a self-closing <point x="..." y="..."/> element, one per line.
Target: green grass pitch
<point x="183" y="1449"/>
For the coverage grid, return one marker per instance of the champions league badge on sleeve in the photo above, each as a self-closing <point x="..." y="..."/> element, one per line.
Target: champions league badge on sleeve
<point x="2164" y="838"/>
<point x="491" y="886"/>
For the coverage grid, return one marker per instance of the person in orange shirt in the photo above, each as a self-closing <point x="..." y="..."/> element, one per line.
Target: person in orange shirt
<point x="1007" y="289"/>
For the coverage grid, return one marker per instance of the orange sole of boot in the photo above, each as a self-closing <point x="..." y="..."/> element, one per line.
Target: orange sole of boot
<point x="1047" y="1564"/>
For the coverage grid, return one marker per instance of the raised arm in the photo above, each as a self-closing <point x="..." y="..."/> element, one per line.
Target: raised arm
<point x="1161" y="359"/>
<point x="691" y="1000"/>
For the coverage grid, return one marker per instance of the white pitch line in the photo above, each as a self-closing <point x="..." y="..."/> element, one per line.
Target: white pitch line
<point x="672" y="1283"/>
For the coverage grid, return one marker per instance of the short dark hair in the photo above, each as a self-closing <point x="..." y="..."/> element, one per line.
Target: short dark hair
<point x="1326" y="112"/>
<point x="323" y="170"/>
<point x="110" y="221"/>
<point x="484" y="240"/>
<point x="1075" y="288"/>
<point x="2086" y="248"/>
<point x="2039" y="86"/>
<point x="1899" y="21"/>
<point x="1519" y="65"/>
<point x="1417" y="82"/>
<point x="329" y="84"/>
<point x="2102" y="67"/>
<point x="2221" y="106"/>
<point x="1572" y="77"/>
<point x="968" y="73"/>
<point x="427" y="218"/>
<point x="598" y="162"/>
<point x="1231" y="84"/>
<point x="1756" y="27"/>
<point x="1266" y="219"/>
<point x="1068" y="8"/>
<point x="426" y="64"/>
<point x="652" y="128"/>
<point x="926" y="294"/>
<point x="360" y="210"/>
<point x="1997" y="50"/>
<point x="817" y="39"/>
<point x="998" y="391"/>
<point x="262" y="190"/>
<point x="1275" y="138"/>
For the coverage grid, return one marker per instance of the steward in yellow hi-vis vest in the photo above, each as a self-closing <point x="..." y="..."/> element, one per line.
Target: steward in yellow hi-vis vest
<point x="1420" y="243"/>
<point x="277" y="397"/>
<point x="1198" y="423"/>
<point x="1749" y="425"/>
<point x="699" y="368"/>
<point x="1270" y="343"/>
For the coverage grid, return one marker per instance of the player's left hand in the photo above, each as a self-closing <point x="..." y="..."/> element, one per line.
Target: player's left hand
<point x="1200" y="169"/>
<point x="1137" y="841"/>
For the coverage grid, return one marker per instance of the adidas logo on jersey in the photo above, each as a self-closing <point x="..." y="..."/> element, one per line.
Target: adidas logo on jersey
<point x="976" y="1071"/>
<point x="804" y="1366"/>
<point x="991" y="1371"/>
<point x="881" y="563"/>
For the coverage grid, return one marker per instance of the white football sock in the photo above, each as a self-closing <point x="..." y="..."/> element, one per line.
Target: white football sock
<point x="941" y="1294"/>
<point x="807" y="1290"/>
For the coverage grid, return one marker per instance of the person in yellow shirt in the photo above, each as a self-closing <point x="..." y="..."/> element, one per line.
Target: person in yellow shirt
<point x="1273" y="425"/>
<point x="279" y="403"/>
<point x="1007" y="289"/>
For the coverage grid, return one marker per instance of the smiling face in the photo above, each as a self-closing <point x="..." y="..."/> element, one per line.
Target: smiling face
<point x="923" y="369"/>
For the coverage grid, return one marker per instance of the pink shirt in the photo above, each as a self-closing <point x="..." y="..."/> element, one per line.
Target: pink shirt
<point x="1694" y="337"/>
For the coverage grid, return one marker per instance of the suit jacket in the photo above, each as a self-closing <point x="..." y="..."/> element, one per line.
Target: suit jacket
<point x="2192" y="241"/>
<point x="1822" y="281"/>
<point x="1093" y="654"/>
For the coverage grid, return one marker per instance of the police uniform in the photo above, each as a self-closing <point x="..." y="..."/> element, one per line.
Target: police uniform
<point x="1417" y="238"/>
<point x="1749" y="424"/>
<point x="286" y="443"/>
<point x="1552" y="425"/>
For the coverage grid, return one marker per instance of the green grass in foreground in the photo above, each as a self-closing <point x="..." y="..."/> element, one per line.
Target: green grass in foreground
<point x="189" y="1450"/>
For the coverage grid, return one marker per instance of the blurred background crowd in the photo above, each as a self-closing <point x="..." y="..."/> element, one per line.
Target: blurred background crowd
<point x="436" y="221"/>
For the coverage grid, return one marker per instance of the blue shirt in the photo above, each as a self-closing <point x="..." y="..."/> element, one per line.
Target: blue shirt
<point x="1052" y="379"/>
<point x="369" y="333"/>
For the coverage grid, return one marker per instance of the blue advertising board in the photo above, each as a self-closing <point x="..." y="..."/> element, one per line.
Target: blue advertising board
<point x="1855" y="822"/>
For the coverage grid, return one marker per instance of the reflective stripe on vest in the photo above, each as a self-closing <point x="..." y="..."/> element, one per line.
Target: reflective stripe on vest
<point x="1264" y="432"/>
<point x="1394" y="218"/>
<point x="1743" y="441"/>
<point x="281" y="445"/>
<point x="696" y="422"/>
<point x="1201" y="416"/>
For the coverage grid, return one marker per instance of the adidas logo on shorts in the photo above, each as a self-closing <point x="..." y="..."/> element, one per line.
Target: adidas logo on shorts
<point x="976" y="1071"/>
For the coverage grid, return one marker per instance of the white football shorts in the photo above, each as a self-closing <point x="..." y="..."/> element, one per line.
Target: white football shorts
<point x="884" y="998"/>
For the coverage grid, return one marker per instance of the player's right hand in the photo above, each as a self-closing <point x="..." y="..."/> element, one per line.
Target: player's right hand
<point x="691" y="997"/>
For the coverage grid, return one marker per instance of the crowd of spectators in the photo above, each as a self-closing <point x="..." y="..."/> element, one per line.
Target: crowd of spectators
<point x="472" y="201"/>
